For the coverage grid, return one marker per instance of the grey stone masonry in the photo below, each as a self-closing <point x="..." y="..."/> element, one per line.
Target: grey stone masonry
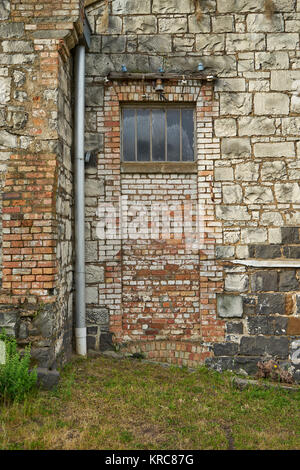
<point x="247" y="156"/>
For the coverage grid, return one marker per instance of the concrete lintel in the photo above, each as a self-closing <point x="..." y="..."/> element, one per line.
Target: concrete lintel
<point x="267" y="263"/>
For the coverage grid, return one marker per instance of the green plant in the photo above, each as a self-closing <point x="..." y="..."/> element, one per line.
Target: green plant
<point x="16" y="379"/>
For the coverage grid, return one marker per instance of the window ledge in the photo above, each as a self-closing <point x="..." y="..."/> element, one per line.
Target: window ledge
<point x="159" y="167"/>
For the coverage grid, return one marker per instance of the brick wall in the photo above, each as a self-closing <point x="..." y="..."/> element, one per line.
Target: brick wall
<point x="36" y="138"/>
<point x="248" y="164"/>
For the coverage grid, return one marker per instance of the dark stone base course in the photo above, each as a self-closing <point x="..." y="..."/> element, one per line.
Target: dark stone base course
<point x="240" y="364"/>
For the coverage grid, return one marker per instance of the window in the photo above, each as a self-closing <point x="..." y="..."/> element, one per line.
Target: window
<point x="158" y="134"/>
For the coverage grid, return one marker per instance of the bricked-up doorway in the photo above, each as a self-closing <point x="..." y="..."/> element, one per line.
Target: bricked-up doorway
<point x="159" y="285"/>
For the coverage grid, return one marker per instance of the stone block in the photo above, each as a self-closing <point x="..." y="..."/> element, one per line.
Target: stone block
<point x="8" y="140"/>
<point x="185" y="44"/>
<point x="172" y="6"/>
<point x="221" y="173"/>
<point x="17" y="46"/>
<point x="94" y="273"/>
<point x="264" y="281"/>
<point x="292" y="252"/>
<point x="225" y="127"/>
<point x="98" y="65"/>
<point x="284" y="5"/>
<point x="234" y="328"/>
<point x="284" y="80"/>
<point x="91" y="342"/>
<point x="202" y="26"/>
<point x="292" y="26"/>
<point x="4" y="10"/>
<point x="235" y="147"/>
<point x="128" y="7"/>
<point x="94" y="95"/>
<point x="225" y="349"/>
<point x="236" y="282"/>
<point x="157" y="43"/>
<point x="258" y="195"/>
<point x="259" y="23"/>
<point x="282" y="42"/>
<point x="5" y="87"/>
<point x="238" y="6"/>
<point x="274" y="150"/>
<point x="271" y="218"/>
<point x="91" y="250"/>
<point x="272" y="60"/>
<point x="223" y="65"/>
<point x="45" y="322"/>
<point x="230" y="84"/>
<point x="247" y="171"/>
<point x="223" y="252"/>
<point x="222" y="24"/>
<point x="140" y="24"/>
<point x="229" y="306"/>
<point x="270" y="304"/>
<point x="114" y="27"/>
<point x="267" y="251"/>
<point x="293" y="326"/>
<point x="106" y="342"/>
<point x="288" y="281"/>
<point x="262" y="345"/>
<point x="232" y="213"/>
<point x="274" y="170"/>
<point x="275" y="235"/>
<point x="91" y="294"/>
<point x="97" y="316"/>
<point x="291" y="125"/>
<point x="244" y="42"/>
<point x="287" y="192"/>
<point x="11" y="30"/>
<point x="172" y="25"/>
<point x="290" y="235"/>
<point x="210" y="42"/>
<point x="235" y="103"/>
<point x="271" y="103"/>
<point x="251" y="125"/>
<point x="94" y="188"/>
<point x="270" y="325"/>
<point x="232" y="194"/>
<point x="295" y="104"/>
<point x="253" y="235"/>
<point x="93" y="142"/>
<point x="113" y="44"/>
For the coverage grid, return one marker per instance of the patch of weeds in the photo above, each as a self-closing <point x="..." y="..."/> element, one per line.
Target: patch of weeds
<point x="16" y="378"/>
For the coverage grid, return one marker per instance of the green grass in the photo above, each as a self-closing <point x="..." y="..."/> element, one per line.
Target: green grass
<point x="128" y="404"/>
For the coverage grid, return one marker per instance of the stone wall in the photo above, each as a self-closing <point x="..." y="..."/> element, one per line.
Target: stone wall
<point x="248" y="166"/>
<point x="36" y="136"/>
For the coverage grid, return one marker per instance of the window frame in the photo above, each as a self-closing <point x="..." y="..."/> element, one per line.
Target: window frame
<point x="159" y="163"/>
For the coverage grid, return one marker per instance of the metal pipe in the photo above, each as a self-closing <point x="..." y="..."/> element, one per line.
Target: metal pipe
<point x="80" y="315"/>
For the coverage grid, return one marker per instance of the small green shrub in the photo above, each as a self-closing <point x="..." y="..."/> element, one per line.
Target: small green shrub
<point x="16" y="379"/>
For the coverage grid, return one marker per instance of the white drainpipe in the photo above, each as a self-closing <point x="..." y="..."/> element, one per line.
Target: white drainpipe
<point x="80" y="315"/>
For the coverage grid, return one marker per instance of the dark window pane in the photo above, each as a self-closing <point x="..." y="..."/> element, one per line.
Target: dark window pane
<point x="128" y="135"/>
<point x="143" y="135"/>
<point x="158" y="135"/>
<point x="187" y="119"/>
<point x="173" y="135"/>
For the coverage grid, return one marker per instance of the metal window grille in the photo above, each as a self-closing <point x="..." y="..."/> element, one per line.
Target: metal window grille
<point x="161" y="133"/>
